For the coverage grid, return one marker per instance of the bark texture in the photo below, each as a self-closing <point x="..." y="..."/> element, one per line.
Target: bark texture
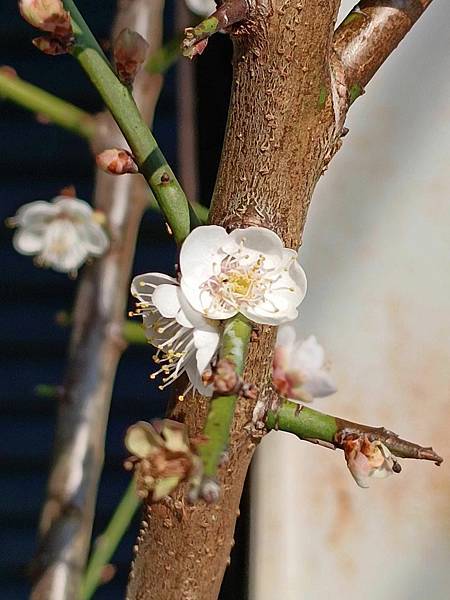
<point x="95" y="349"/>
<point x="292" y="86"/>
<point x="280" y="131"/>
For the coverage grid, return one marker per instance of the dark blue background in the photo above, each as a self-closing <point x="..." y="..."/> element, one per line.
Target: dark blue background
<point x="36" y="162"/>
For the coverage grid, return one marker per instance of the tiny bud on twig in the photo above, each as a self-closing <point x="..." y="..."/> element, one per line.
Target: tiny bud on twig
<point x="130" y="51"/>
<point x="51" y="17"/>
<point x="116" y="161"/>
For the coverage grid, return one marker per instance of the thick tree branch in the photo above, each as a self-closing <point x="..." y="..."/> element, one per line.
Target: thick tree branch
<point x="96" y="347"/>
<point x="369" y="34"/>
<point x="313" y="426"/>
<point x="287" y="109"/>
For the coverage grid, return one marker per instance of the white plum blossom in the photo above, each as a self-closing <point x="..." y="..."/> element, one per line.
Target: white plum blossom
<point x="204" y="8"/>
<point x="62" y="234"/>
<point x="299" y="371"/>
<point x="185" y="339"/>
<point x="247" y="271"/>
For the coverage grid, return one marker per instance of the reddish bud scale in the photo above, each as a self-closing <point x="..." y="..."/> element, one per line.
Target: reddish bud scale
<point x="116" y="161"/>
<point x="130" y="51"/>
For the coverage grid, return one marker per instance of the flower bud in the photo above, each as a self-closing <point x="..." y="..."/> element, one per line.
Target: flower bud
<point x="47" y="15"/>
<point x="130" y="50"/>
<point x="51" y="46"/>
<point x="366" y="458"/>
<point x="116" y="161"/>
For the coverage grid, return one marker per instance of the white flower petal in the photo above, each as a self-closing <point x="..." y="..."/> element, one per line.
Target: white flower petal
<point x="260" y="240"/>
<point x="62" y="249"/>
<point x="94" y="238"/>
<point x="194" y="317"/>
<point x="73" y="207"/>
<point x="299" y="277"/>
<point x="203" y="302"/>
<point x="200" y="252"/>
<point x="142" y="286"/>
<point x="319" y="384"/>
<point x="309" y="354"/>
<point x="165" y="298"/>
<point x="286" y="336"/>
<point x="206" y="343"/>
<point x="35" y="212"/>
<point x="30" y="240"/>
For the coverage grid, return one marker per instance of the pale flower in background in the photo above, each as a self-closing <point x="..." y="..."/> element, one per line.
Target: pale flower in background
<point x="62" y="234"/>
<point x="299" y="371"/>
<point x="204" y="8"/>
<point x="366" y="459"/>
<point x="185" y="339"/>
<point x="247" y="271"/>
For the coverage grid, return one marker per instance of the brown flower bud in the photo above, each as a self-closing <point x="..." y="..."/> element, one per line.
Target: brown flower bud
<point x="116" y="161"/>
<point x="51" y="46"/>
<point x="47" y="15"/>
<point x="130" y="50"/>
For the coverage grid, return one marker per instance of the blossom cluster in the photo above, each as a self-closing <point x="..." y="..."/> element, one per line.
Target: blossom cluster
<point x="247" y="271"/>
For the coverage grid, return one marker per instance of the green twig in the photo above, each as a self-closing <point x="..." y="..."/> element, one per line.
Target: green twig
<point x="236" y="337"/>
<point x="134" y="333"/>
<point x="107" y="543"/>
<point x="161" y="60"/>
<point x="119" y="100"/>
<point x="55" y="109"/>
<point x="314" y="426"/>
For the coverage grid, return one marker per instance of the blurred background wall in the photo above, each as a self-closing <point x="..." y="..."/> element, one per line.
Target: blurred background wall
<point x="376" y="252"/>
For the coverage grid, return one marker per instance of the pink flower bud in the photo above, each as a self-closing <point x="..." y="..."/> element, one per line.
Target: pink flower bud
<point x="366" y="459"/>
<point x="116" y="161"/>
<point x="130" y="50"/>
<point x="47" y="15"/>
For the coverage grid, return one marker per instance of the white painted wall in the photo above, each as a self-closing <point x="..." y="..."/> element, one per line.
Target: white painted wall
<point x="376" y="251"/>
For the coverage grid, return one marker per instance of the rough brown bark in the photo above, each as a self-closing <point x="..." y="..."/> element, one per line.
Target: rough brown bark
<point x="281" y="125"/>
<point x="292" y="87"/>
<point x="95" y="349"/>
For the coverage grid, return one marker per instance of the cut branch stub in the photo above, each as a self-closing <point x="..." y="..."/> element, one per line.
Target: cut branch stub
<point x="369" y="34"/>
<point x="228" y="13"/>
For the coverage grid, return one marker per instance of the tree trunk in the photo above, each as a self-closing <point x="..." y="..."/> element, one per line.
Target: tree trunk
<point x="282" y="130"/>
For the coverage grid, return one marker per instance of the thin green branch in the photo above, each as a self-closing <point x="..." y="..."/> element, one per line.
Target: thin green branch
<point x="134" y="333"/>
<point x="161" y="60"/>
<point x="314" y="426"/>
<point x="236" y="337"/>
<point x="55" y="109"/>
<point x="119" y="100"/>
<point x="107" y="543"/>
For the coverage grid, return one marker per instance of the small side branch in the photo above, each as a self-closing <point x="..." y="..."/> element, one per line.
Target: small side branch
<point x="369" y="34"/>
<point x="313" y="426"/>
<point x="43" y="103"/>
<point x="227" y="14"/>
<point x="236" y="338"/>
<point x="119" y="100"/>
